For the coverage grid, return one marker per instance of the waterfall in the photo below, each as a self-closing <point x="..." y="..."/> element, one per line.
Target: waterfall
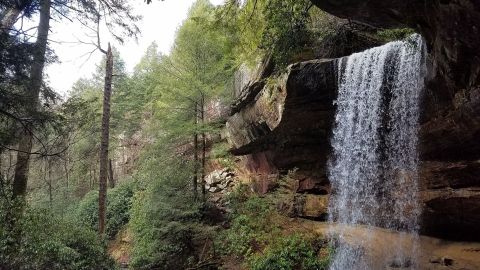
<point x="373" y="166"/>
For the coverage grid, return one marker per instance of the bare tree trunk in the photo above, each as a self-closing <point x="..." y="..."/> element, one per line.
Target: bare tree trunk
<point x="102" y="193"/>
<point x="36" y="76"/>
<point x="195" y="154"/>
<point x="202" y="118"/>
<point x="111" y="180"/>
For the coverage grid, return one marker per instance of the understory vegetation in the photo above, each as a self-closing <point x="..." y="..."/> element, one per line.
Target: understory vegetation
<point x="165" y="136"/>
<point x="260" y="235"/>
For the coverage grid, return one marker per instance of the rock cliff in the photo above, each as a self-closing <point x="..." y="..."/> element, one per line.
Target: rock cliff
<point x="278" y="126"/>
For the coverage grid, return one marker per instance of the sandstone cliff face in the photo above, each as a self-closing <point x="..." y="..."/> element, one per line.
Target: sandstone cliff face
<point x="277" y="127"/>
<point x="451" y="28"/>
<point x="450" y="134"/>
<point x="450" y="174"/>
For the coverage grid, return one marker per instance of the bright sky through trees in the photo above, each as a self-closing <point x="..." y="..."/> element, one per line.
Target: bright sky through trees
<point x="160" y="21"/>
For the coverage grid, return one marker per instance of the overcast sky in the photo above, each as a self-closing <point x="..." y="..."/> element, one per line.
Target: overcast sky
<point x="160" y="21"/>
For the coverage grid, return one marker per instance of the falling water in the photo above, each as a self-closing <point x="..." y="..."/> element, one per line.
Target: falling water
<point x="373" y="169"/>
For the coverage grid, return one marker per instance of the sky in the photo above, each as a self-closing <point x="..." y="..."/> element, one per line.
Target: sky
<point x="160" y="22"/>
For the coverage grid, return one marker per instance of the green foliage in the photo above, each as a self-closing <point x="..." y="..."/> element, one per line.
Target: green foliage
<point x="221" y="154"/>
<point x="118" y="209"/>
<point x="165" y="217"/>
<point x="388" y="35"/>
<point x="286" y="29"/>
<point x="291" y="252"/>
<point x="278" y="28"/>
<point x="251" y="225"/>
<point x="50" y="242"/>
<point x="256" y="236"/>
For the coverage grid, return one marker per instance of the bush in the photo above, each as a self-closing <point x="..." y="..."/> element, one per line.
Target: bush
<point x="257" y="237"/>
<point x="165" y="220"/>
<point x="50" y="242"/>
<point x="388" y="35"/>
<point x="291" y="252"/>
<point x="118" y="209"/>
<point x="251" y="227"/>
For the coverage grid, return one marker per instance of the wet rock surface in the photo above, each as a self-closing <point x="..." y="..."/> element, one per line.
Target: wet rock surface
<point x="292" y="130"/>
<point x="291" y="120"/>
<point x="451" y="28"/>
<point x="435" y="253"/>
<point x="286" y="125"/>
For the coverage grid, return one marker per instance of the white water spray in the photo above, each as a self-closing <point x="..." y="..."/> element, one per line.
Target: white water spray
<point x="373" y="168"/>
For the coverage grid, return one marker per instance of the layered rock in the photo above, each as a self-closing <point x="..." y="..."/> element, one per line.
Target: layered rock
<point x="450" y="192"/>
<point x="451" y="28"/>
<point x="278" y="126"/>
<point x="286" y="125"/>
<point x="290" y="121"/>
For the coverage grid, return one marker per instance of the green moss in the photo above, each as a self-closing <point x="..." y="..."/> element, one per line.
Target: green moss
<point x="388" y="35"/>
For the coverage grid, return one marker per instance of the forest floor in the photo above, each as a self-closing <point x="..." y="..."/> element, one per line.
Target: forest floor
<point x="120" y="248"/>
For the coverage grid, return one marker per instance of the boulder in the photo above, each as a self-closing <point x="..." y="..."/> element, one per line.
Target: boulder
<point x="214" y="189"/>
<point x="218" y="176"/>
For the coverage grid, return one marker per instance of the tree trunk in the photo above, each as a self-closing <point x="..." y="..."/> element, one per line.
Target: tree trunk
<point x="202" y="117"/>
<point x="195" y="154"/>
<point x="36" y="78"/>
<point x="111" y="180"/>
<point x="9" y="16"/>
<point x="20" y="178"/>
<point x="102" y="193"/>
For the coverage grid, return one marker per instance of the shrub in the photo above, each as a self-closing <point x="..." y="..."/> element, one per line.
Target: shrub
<point x="221" y="154"/>
<point x="394" y="34"/>
<point x="257" y="237"/>
<point x="291" y="252"/>
<point x="165" y="220"/>
<point x="50" y="242"/>
<point x="251" y="226"/>
<point x="118" y="208"/>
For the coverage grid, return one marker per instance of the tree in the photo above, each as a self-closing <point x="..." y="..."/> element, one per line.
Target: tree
<point x="198" y="68"/>
<point x="112" y="14"/>
<point x="11" y="11"/>
<point x="32" y="97"/>
<point x="104" y="142"/>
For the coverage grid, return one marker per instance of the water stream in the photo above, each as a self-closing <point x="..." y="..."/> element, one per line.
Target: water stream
<point x="373" y="167"/>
